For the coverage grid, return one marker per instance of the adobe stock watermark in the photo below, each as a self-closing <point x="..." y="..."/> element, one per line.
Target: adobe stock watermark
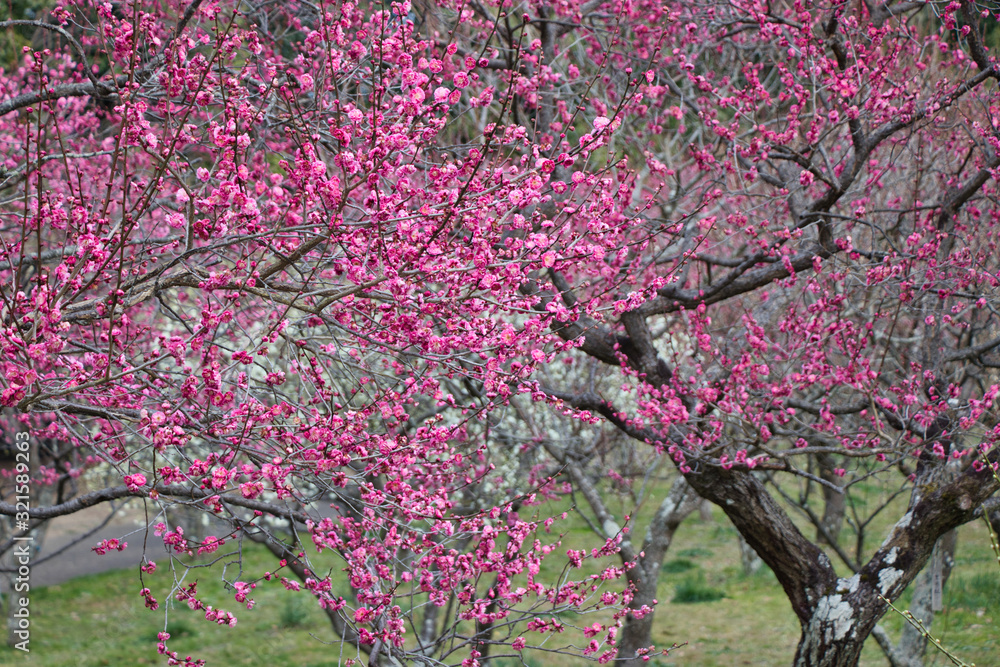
<point x="19" y="597"/>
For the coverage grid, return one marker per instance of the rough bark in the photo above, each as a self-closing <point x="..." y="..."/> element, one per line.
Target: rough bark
<point x="836" y="614"/>
<point x="804" y="571"/>
<point x="846" y="615"/>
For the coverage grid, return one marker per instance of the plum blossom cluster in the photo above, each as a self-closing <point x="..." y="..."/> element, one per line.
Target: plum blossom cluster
<point x="109" y="545"/>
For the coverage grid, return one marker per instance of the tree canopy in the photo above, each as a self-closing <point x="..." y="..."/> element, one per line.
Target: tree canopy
<point x="377" y="284"/>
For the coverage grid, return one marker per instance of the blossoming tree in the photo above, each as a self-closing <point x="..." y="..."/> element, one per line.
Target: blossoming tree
<point x="311" y="261"/>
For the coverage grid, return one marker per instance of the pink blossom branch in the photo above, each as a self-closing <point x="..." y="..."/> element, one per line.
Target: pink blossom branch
<point x="117" y="492"/>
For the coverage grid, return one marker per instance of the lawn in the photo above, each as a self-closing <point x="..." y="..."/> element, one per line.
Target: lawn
<point x="721" y="616"/>
<point x="101" y="620"/>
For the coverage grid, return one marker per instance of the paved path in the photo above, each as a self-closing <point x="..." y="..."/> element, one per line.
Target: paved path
<point x="54" y="565"/>
<point x="58" y="561"/>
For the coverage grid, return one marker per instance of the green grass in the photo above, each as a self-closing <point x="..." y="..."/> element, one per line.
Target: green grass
<point x="973" y="593"/>
<point x="178" y="629"/>
<point x="694" y="589"/>
<point x="696" y="552"/>
<point x="295" y="612"/>
<point x="677" y="565"/>
<point x="100" y="620"/>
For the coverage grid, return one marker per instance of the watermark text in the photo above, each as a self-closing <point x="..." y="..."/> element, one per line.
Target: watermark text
<point x="19" y="598"/>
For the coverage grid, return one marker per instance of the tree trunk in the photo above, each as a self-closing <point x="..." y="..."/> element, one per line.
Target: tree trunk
<point x="637" y="633"/>
<point x="837" y="615"/>
<point x="804" y="571"/>
<point x="833" y="637"/>
<point x="748" y="558"/>
<point x="834" y="503"/>
<point x="705" y="511"/>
